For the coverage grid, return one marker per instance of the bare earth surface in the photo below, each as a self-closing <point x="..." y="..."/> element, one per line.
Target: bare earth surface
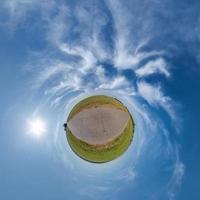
<point x="98" y="126"/>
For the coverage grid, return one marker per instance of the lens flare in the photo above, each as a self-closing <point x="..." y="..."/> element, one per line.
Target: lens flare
<point x="37" y="127"/>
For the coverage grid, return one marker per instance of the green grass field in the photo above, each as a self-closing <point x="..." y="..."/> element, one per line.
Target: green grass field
<point x="109" y="151"/>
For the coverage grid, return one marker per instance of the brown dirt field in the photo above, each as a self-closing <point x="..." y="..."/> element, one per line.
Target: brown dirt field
<point x="98" y="125"/>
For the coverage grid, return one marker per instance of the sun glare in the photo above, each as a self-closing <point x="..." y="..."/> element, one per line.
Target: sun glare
<point x="37" y="127"/>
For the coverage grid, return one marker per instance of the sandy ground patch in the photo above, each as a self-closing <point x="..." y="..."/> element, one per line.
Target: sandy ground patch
<point x="98" y="125"/>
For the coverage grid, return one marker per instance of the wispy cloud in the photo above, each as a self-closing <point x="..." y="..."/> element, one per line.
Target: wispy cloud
<point x="18" y="11"/>
<point x="155" y="97"/>
<point x="88" y="52"/>
<point x="177" y="176"/>
<point x="157" y="66"/>
<point x="127" y="175"/>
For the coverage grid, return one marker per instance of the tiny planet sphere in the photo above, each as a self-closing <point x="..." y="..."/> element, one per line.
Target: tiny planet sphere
<point x="99" y="128"/>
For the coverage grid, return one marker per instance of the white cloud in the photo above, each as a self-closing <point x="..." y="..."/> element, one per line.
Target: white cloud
<point x="117" y="82"/>
<point x="179" y="172"/>
<point x="87" y="51"/>
<point x="125" y="60"/>
<point x="18" y="10"/>
<point x="58" y="25"/>
<point x="157" y="66"/>
<point x="17" y="7"/>
<point x="127" y="175"/>
<point x="100" y="72"/>
<point x="155" y="97"/>
<point x="151" y="93"/>
<point x="128" y="45"/>
<point x="47" y="72"/>
<point x="87" y="58"/>
<point x="177" y="176"/>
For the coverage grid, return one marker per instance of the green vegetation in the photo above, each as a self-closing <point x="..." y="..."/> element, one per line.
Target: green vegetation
<point x="109" y="151"/>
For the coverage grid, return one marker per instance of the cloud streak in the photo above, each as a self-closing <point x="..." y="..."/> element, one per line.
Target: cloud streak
<point x="97" y="56"/>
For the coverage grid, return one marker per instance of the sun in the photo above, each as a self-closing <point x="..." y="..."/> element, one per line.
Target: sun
<point x="37" y="127"/>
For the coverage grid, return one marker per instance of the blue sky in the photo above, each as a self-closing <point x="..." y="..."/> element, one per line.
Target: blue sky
<point x="54" y="53"/>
